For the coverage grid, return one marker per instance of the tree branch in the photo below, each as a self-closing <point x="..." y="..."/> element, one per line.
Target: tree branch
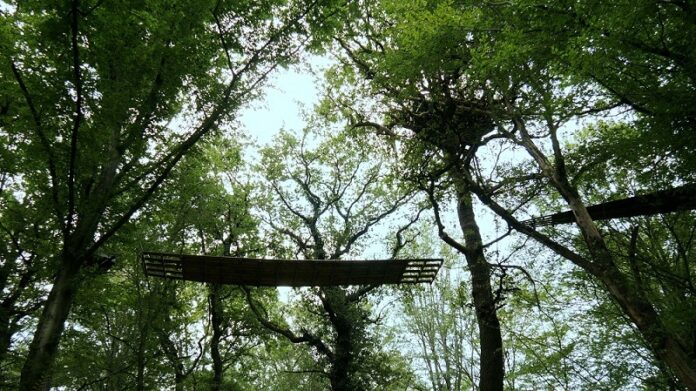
<point x="306" y="336"/>
<point x="441" y="227"/>
<point x="77" y="115"/>
<point x="44" y="143"/>
<point x="222" y="37"/>
<point x="559" y="249"/>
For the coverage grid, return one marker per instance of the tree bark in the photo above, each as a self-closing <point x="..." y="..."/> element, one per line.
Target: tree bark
<point x="216" y="320"/>
<point x="10" y="316"/>
<point x="5" y="333"/>
<point x="664" y="344"/>
<point x="492" y="369"/>
<point x="5" y="311"/>
<point x="172" y="354"/>
<point x="36" y="372"/>
<point x="340" y="374"/>
<point x="340" y="379"/>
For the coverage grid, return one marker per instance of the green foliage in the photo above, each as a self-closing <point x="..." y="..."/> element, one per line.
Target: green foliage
<point x="440" y="324"/>
<point x="98" y="104"/>
<point x="150" y="331"/>
<point x="560" y="332"/>
<point x="327" y="193"/>
<point x="532" y="68"/>
<point x="342" y="185"/>
<point x="101" y="104"/>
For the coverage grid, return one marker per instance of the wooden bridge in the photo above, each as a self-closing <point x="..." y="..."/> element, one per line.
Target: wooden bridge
<point x="293" y="273"/>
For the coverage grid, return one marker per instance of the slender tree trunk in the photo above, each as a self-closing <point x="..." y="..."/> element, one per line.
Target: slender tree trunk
<point x="492" y="370"/>
<point x="36" y="372"/>
<point x="681" y="360"/>
<point x="141" y="359"/>
<point x="664" y="343"/>
<point x="5" y="332"/>
<point x="179" y="375"/>
<point x="9" y="317"/>
<point x="179" y="378"/>
<point x="5" y="311"/>
<point x="216" y="320"/>
<point x="140" y="374"/>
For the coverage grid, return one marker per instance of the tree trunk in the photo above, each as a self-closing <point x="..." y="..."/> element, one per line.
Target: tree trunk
<point x="492" y="370"/>
<point x="5" y="332"/>
<point x="665" y="344"/>
<point x="336" y="305"/>
<point x="340" y="378"/>
<point x="179" y="378"/>
<point x="216" y="320"/>
<point x="141" y="359"/>
<point x="9" y="316"/>
<point x="172" y="354"/>
<point x="5" y="312"/>
<point x="36" y="372"/>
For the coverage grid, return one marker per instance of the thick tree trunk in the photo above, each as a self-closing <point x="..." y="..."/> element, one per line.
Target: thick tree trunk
<point x="336" y="304"/>
<point x="36" y="372"/>
<point x="666" y="346"/>
<point x="663" y="342"/>
<point x="492" y="370"/>
<point x="216" y="320"/>
<point x="340" y="377"/>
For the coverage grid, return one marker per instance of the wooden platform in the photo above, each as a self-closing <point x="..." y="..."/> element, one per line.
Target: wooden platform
<point x="665" y="201"/>
<point x="278" y="272"/>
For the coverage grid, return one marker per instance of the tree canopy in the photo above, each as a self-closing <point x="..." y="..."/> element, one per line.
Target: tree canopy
<point x="443" y="127"/>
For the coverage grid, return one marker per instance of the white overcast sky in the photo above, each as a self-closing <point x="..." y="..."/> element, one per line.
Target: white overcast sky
<point x="286" y="95"/>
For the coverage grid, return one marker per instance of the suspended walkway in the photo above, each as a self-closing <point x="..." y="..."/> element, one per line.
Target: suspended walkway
<point x="665" y="201"/>
<point x="291" y="273"/>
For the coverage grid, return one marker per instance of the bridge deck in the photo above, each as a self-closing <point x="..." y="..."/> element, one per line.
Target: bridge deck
<point x="294" y="273"/>
<point x="666" y="201"/>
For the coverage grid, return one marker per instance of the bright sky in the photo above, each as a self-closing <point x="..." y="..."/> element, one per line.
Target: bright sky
<point x="291" y="91"/>
<point x="288" y="93"/>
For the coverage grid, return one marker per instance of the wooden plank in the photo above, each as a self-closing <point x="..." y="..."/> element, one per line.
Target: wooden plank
<point x="665" y="201"/>
<point x="293" y="273"/>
